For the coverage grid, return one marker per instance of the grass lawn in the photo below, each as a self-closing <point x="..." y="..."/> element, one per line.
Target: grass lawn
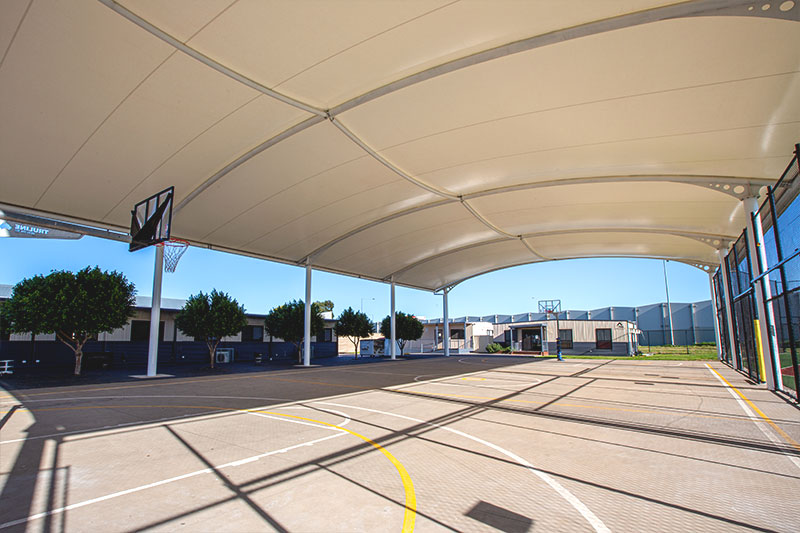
<point x="663" y="353"/>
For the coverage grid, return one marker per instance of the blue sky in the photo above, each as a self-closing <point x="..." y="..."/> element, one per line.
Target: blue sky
<point x="261" y="285"/>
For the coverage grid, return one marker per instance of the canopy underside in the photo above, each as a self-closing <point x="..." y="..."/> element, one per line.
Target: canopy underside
<point x="425" y="141"/>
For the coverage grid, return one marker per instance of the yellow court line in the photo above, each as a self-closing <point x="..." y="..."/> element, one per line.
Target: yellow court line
<point x="760" y="413"/>
<point x="410" y="514"/>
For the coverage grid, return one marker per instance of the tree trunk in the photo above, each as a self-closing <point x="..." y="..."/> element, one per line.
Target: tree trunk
<point x="77" y="348"/>
<point x="78" y="361"/>
<point x="355" y="347"/>
<point x="211" y="350"/>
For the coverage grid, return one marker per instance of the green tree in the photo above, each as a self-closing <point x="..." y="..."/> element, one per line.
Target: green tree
<point x="408" y="328"/>
<point x="209" y="317"/>
<point x="354" y="325"/>
<point x="287" y="322"/>
<point x="75" y="306"/>
<point x="325" y="305"/>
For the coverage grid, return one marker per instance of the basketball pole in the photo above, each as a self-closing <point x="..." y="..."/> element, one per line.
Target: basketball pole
<point x="155" y="314"/>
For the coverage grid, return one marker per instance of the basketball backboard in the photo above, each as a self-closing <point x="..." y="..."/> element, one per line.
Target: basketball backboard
<point x="549" y="306"/>
<point x="151" y="220"/>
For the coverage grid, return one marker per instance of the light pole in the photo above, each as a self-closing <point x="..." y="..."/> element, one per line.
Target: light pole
<point x="669" y="307"/>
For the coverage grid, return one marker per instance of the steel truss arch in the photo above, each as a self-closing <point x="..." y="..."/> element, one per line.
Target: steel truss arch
<point x="726" y="185"/>
<point x="711" y="240"/>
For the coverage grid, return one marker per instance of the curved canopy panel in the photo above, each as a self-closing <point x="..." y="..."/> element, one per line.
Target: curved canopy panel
<point x="425" y="141"/>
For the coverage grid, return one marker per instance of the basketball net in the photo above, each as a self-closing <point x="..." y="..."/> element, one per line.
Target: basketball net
<point x="173" y="251"/>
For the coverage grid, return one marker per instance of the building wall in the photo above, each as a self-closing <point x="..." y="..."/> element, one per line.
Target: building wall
<point x="692" y="322"/>
<point x="116" y="347"/>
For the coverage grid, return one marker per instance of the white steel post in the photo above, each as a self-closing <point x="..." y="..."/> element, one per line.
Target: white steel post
<point x="714" y="297"/>
<point x="155" y="314"/>
<point x="307" y="325"/>
<point x="728" y="308"/>
<point x="769" y="341"/>
<point x="394" y="326"/>
<point x="446" y="324"/>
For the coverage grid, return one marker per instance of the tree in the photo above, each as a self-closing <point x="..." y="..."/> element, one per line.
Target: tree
<point x="325" y="305"/>
<point x="354" y="325"/>
<point x="287" y="322"/>
<point x="209" y="317"/>
<point x="75" y="306"/>
<point x="408" y="328"/>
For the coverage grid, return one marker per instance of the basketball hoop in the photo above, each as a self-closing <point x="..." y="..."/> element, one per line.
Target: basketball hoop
<point x="173" y="251"/>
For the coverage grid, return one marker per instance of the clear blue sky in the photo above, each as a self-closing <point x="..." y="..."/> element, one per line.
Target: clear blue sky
<point x="261" y="285"/>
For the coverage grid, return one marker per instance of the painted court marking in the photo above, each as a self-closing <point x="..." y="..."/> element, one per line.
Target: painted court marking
<point x="578" y="505"/>
<point x="409" y="516"/>
<point x="738" y="396"/>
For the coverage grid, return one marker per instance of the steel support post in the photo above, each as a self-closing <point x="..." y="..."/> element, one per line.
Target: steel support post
<point x="758" y="262"/>
<point x="155" y="314"/>
<point x="446" y="324"/>
<point x="394" y="326"/>
<point x="307" y="324"/>
<point x="714" y="297"/>
<point x="728" y="307"/>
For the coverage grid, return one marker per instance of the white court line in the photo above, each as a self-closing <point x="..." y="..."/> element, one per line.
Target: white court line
<point x="202" y="415"/>
<point x="435" y="380"/>
<point x="590" y="517"/>
<point x="345" y="417"/>
<point x="756" y="420"/>
<point x="124" y="397"/>
<point x="339" y="433"/>
<point x="143" y="424"/>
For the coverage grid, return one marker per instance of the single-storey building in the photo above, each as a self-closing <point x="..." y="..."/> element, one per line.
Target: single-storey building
<point x="128" y="345"/>
<point x="535" y="335"/>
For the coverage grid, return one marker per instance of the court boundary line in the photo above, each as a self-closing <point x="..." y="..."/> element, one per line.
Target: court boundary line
<point x="741" y="399"/>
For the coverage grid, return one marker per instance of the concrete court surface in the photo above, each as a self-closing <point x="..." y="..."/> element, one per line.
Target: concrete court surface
<point x="466" y="443"/>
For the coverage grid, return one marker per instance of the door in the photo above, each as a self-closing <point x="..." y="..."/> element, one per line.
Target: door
<point x="603" y="339"/>
<point x="532" y="340"/>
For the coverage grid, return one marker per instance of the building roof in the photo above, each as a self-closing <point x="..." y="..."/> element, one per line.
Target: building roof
<point x="425" y="142"/>
<point x="604" y="313"/>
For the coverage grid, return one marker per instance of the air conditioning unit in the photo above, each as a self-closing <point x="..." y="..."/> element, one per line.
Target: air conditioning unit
<point x="224" y="355"/>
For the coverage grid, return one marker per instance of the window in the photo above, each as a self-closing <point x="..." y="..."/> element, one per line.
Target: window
<point x="253" y="333"/>
<point x="603" y="338"/>
<point x="566" y="338"/>
<point x="327" y="335"/>
<point x="456" y="333"/>
<point x="140" y="330"/>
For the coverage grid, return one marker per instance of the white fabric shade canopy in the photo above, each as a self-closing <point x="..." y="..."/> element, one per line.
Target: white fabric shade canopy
<point x="428" y="141"/>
